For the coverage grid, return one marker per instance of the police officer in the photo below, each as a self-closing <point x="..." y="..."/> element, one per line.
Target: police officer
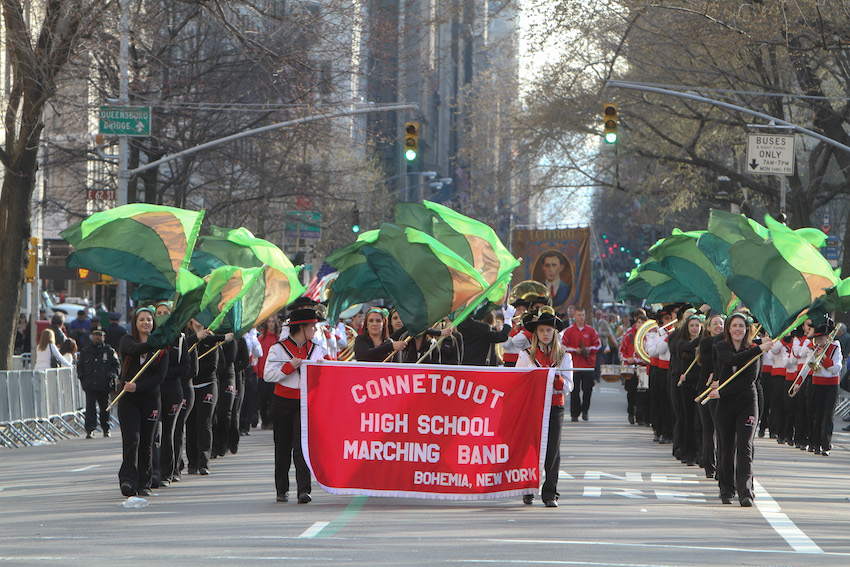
<point x="97" y="370"/>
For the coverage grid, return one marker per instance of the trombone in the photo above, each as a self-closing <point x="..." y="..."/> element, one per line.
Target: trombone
<point x="810" y="364"/>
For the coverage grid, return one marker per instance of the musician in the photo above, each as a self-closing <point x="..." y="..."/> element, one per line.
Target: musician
<point x="396" y="324"/>
<point x="283" y="369"/>
<point x="138" y="408"/>
<point x="659" y="353"/>
<point x="479" y="338"/>
<point x="686" y="387"/>
<point x="546" y="352"/>
<point x="778" y="390"/>
<point x="171" y="400"/>
<point x="582" y="342"/>
<point x="737" y="407"/>
<point x="374" y="345"/>
<point x="636" y="402"/>
<point x="800" y="350"/>
<point x="824" y="388"/>
<point x="673" y="374"/>
<point x="199" y="422"/>
<point x="418" y="346"/>
<point x="519" y="338"/>
<point x="707" y="414"/>
<point x="764" y="388"/>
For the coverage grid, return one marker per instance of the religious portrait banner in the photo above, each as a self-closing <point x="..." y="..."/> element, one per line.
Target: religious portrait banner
<point x="558" y="258"/>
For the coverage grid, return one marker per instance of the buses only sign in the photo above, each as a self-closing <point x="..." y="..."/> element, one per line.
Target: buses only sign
<point x="770" y="154"/>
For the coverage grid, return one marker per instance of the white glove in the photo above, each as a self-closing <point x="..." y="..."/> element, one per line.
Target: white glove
<point x="508" y="311"/>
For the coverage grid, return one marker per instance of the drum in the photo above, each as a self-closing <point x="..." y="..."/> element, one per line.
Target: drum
<point x="610" y="372"/>
<point x="643" y="379"/>
<point x="627" y="371"/>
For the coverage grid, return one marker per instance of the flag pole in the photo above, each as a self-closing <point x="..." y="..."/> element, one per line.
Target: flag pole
<point x="703" y="398"/>
<point x="393" y="353"/>
<point x="469" y="309"/>
<point x="139" y="373"/>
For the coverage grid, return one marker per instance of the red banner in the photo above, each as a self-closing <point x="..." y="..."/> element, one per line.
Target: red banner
<point x="448" y="432"/>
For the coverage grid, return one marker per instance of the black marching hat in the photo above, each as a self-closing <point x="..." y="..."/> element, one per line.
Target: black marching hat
<point x="824" y="328"/>
<point x="300" y="316"/>
<point x="549" y="319"/>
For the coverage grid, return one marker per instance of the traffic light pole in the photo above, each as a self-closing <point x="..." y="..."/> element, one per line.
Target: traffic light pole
<point x="720" y="103"/>
<point x="367" y="110"/>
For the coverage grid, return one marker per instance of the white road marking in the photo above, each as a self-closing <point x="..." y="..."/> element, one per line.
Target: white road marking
<point x="657" y="546"/>
<point x="539" y="562"/>
<point x="313" y="530"/>
<point x="83" y="469"/>
<point x="781" y="523"/>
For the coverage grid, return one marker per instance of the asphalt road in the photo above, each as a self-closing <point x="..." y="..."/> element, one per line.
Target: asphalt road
<point x="624" y="502"/>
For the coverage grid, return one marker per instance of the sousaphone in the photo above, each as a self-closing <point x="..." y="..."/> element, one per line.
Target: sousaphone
<point x="526" y="289"/>
<point x="640" y="334"/>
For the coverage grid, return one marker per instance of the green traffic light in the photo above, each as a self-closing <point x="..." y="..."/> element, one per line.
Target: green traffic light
<point x="611" y="138"/>
<point x="410" y="155"/>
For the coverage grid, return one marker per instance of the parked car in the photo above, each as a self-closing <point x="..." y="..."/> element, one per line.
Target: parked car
<point x="69" y="307"/>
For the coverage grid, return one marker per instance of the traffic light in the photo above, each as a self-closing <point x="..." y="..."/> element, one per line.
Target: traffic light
<point x="355" y="220"/>
<point x="32" y="263"/>
<point x="411" y="141"/>
<point x="610" y="117"/>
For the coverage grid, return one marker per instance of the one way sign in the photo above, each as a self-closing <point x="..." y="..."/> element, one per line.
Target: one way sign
<point x="771" y="154"/>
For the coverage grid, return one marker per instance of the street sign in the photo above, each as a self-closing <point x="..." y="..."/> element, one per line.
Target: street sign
<point x="831" y="252"/>
<point x="100" y="194"/>
<point x="825" y="225"/>
<point x="770" y="154"/>
<point x="124" y="120"/>
<point x="303" y="224"/>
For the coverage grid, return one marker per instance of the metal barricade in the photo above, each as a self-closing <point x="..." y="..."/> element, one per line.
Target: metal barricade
<point x="40" y="406"/>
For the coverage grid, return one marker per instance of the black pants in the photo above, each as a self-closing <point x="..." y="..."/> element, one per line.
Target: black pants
<point x="709" y="454"/>
<point x="171" y="399"/>
<point x="552" y="462"/>
<point x="676" y="425"/>
<point x="687" y="421"/>
<point x="248" y="411"/>
<point x="776" y="419"/>
<point x="662" y="421"/>
<point x="802" y="419"/>
<point x="823" y="404"/>
<point x="630" y="385"/>
<point x="180" y="427"/>
<point x="265" y="393"/>
<point x="102" y="400"/>
<point x="582" y="384"/>
<point x="737" y="419"/>
<point x="138" y="414"/>
<point x="199" y="427"/>
<point x="789" y="404"/>
<point x="236" y="416"/>
<point x="765" y="402"/>
<point x="223" y="413"/>
<point x="287" y="445"/>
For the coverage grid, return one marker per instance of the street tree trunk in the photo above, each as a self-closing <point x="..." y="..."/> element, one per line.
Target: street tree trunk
<point x="35" y="57"/>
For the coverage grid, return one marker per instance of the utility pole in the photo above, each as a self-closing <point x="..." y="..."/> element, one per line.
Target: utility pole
<point x="123" y="141"/>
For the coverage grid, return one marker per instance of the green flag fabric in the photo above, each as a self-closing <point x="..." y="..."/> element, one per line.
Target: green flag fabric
<point x="239" y="248"/>
<point x="679" y="257"/>
<point x="140" y="243"/>
<point x="424" y="279"/>
<point x="431" y="263"/>
<point x="649" y="282"/>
